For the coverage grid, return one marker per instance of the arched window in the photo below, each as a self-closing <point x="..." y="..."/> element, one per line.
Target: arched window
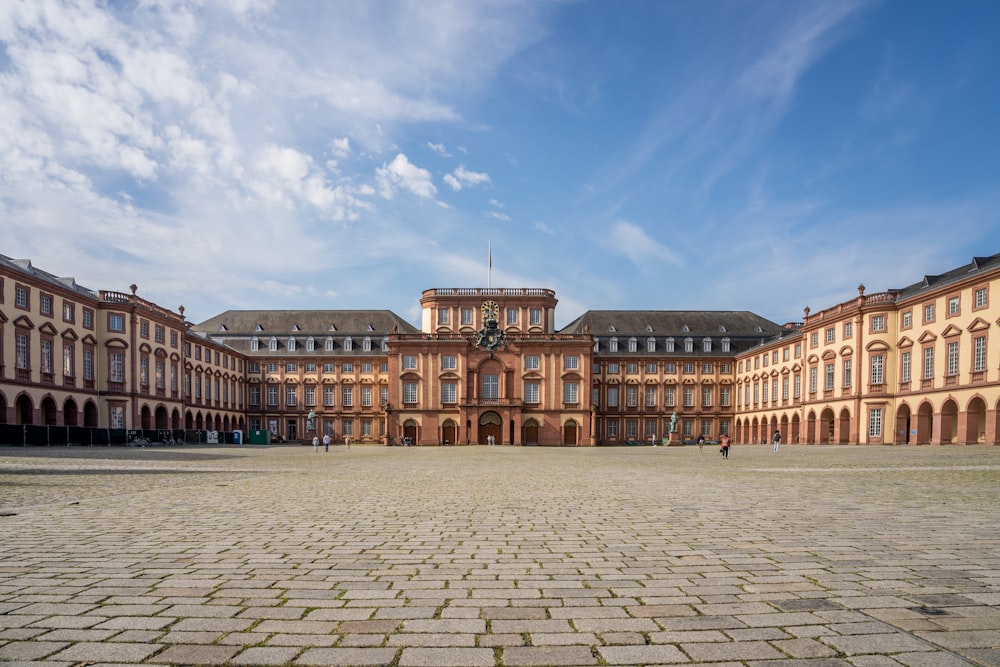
<point x="689" y="344"/>
<point x="613" y="345"/>
<point x="632" y="343"/>
<point x="254" y="344"/>
<point x="272" y="344"/>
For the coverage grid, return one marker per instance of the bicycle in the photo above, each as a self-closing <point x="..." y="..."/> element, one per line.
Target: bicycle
<point x="139" y="442"/>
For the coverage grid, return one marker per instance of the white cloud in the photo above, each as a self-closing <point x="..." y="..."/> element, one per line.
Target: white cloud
<point x="439" y="149"/>
<point x="498" y="216"/>
<point x="632" y="242"/>
<point x="401" y="173"/>
<point x="341" y="148"/>
<point x="462" y="178"/>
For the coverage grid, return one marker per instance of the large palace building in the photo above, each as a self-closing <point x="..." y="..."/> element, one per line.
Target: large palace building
<point x="905" y="366"/>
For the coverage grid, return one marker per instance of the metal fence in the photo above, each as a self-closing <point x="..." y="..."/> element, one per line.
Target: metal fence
<point x="31" y="435"/>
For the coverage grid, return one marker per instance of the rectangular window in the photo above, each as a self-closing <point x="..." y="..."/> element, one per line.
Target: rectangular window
<point x="21" y="344"/>
<point x="291" y="367"/>
<point x="847" y="373"/>
<point x="442" y="316"/>
<point x="466" y="316"/>
<point x="798" y="386"/>
<point x="631" y="429"/>
<point x="45" y="304"/>
<point x="511" y="316"/>
<point x="328" y="396"/>
<point x="763" y="386"/>
<point x="632" y="396"/>
<point x="651" y="368"/>
<point x="650" y="397"/>
<point x="366" y="368"/>
<point x="831" y="334"/>
<point x="366" y="396"/>
<point x="409" y="362"/>
<point x="531" y="393"/>
<point x="814" y="340"/>
<point x="979" y="353"/>
<point x="612" y="397"/>
<point x="449" y="362"/>
<point x="725" y="396"/>
<point x="46" y="356"/>
<point x="928" y="313"/>
<point x="848" y="329"/>
<point x="348" y="367"/>
<point x="688" y="397"/>
<point x="21" y="299"/>
<point x="290" y="396"/>
<point x="410" y="393"/>
<point x="928" y="363"/>
<point x="117" y="416"/>
<point x="952" y="358"/>
<point x="116" y="322"/>
<point x="878" y="369"/>
<point x="69" y="362"/>
<point x="612" y="428"/>
<point x="570" y="395"/>
<point x="813" y="380"/>
<point x="272" y="395"/>
<point x="310" y="396"/>
<point x="907" y="319"/>
<point x="535" y="315"/>
<point x="798" y="350"/>
<point x="88" y="364"/>
<point x="707" y="369"/>
<point x="448" y="392"/>
<point x="254" y="395"/>
<point x="531" y="362"/>
<point x="88" y="318"/>
<point x="954" y="306"/>
<point x="612" y="368"/>
<point x="784" y="388"/>
<point x="491" y="386"/>
<point x="144" y="328"/>
<point x="669" y="397"/>
<point x="571" y="363"/>
<point x="706" y="397"/>
<point x="905" y="363"/>
<point x="347" y="396"/>
<point x="383" y="397"/>
<point x="829" y="377"/>
<point x="347" y="427"/>
<point x="116" y="368"/>
<point x="669" y="367"/>
<point x="981" y="297"/>
<point x="878" y="322"/>
<point x="875" y="422"/>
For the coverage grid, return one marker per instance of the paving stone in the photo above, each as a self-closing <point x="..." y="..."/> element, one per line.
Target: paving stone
<point x="478" y="556"/>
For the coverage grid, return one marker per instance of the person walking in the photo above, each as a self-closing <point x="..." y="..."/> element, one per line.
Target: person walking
<point x="315" y="443"/>
<point x="701" y="443"/>
<point x="347" y="441"/>
<point x="777" y="440"/>
<point x="724" y="445"/>
<point x="326" y="442"/>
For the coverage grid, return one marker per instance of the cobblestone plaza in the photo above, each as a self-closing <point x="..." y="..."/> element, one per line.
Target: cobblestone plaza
<point x="440" y="556"/>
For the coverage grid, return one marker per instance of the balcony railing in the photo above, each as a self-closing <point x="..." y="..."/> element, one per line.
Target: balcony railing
<point x="492" y="402"/>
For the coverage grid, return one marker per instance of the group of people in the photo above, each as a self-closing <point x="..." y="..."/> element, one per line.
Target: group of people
<point x="725" y="441"/>
<point x="326" y="442"/>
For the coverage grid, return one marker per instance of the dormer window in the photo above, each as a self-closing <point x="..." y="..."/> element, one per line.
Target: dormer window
<point x="254" y="344"/>
<point x="669" y="343"/>
<point x="385" y="344"/>
<point x="310" y="344"/>
<point x="689" y="344"/>
<point x="650" y="344"/>
<point x="725" y="345"/>
<point x="348" y="344"/>
<point x="613" y="345"/>
<point x="328" y="344"/>
<point x="706" y="345"/>
<point x="272" y="344"/>
<point x="632" y="344"/>
<point x="366" y="344"/>
<point x="291" y="344"/>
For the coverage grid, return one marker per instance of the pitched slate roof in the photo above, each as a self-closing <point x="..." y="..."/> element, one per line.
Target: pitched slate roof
<point x="25" y="266"/>
<point x="304" y="323"/>
<point x="976" y="266"/>
<point x="698" y="323"/>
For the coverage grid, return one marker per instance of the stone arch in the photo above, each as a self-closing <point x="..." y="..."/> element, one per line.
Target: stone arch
<point x="71" y="414"/>
<point x="571" y="432"/>
<point x="796" y="434"/>
<point x="90" y="417"/>
<point x="24" y="411"/>
<point x="925" y="423"/>
<point x="529" y="431"/>
<point x="843" y="429"/>
<point x="949" y="422"/>
<point x="449" y="432"/>
<point x="904" y="425"/>
<point x="49" y="411"/>
<point x="3" y="408"/>
<point x="145" y="418"/>
<point x="162" y="418"/>
<point x="490" y="423"/>
<point x="975" y="421"/>
<point x="825" y="435"/>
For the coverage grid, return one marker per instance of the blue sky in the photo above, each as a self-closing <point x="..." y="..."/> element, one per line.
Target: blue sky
<point x="717" y="155"/>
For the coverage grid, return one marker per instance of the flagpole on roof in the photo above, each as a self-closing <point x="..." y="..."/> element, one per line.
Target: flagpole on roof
<point x="489" y="270"/>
